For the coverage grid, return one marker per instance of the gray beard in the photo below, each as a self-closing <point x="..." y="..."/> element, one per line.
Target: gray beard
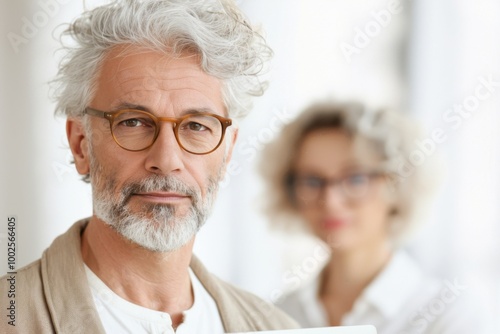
<point x="155" y="227"/>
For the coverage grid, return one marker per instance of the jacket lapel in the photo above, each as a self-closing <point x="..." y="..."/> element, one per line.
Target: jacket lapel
<point x="68" y="295"/>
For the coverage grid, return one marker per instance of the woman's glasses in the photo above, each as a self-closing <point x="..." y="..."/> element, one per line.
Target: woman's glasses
<point x="309" y="189"/>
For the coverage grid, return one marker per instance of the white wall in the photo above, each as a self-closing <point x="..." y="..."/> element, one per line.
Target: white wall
<point x="453" y="47"/>
<point x="38" y="184"/>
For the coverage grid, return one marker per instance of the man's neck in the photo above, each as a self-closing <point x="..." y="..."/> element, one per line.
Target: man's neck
<point x="158" y="281"/>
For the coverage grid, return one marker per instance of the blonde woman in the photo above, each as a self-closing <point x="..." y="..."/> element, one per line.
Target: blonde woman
<point x="356" y="179"/>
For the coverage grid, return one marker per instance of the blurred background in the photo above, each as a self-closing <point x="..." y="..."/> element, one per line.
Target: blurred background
<point x="437" y="60"/>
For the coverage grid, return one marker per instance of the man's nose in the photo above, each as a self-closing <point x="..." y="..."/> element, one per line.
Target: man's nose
<point x="165" y="155"/>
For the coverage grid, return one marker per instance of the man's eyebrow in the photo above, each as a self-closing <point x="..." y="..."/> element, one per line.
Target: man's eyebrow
<point x="197" y="111"/>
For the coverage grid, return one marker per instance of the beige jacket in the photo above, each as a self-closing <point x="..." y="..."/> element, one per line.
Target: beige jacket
<point x="52" y="296"/>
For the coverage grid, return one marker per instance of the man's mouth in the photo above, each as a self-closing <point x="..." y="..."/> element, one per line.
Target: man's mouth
<point x="161" y="197"/>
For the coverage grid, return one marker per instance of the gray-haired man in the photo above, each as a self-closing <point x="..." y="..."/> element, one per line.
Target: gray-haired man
<point x="149" y="89"/>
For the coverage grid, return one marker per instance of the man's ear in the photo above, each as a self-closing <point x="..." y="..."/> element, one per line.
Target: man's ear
<point x="233" y="137"/>
<point x="78" y="143"/>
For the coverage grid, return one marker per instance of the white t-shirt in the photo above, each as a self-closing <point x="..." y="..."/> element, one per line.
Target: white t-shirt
<point x="121" y="316"/>
<point x="400" y="300"/>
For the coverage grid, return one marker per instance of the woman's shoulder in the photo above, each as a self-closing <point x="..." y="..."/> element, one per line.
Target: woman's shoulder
<point x="411" y="299"/>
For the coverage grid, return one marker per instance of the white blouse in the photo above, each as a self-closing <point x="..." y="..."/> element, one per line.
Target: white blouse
<point x="400" y="300"/>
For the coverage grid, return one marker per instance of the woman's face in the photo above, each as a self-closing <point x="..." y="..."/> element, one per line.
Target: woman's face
<point x="341" y="192"/>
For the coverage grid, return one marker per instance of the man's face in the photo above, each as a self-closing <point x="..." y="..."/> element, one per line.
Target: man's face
<point x="159" y="197"/>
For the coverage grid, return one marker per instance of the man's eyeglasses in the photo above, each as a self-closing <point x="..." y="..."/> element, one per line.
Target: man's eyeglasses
<point x="137" y="130"/>
<point x="309" y="189"/>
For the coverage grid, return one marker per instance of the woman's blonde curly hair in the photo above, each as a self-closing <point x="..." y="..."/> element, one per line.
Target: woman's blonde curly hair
<point x="392" y="135"/>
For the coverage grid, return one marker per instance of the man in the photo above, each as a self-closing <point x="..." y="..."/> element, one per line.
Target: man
<point x="149" y="89"/>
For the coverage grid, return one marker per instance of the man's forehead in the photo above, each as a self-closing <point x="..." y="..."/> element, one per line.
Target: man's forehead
<point x="160" y="78"/>
<point x="139" y="72"/>
<point x="131" y="63"/>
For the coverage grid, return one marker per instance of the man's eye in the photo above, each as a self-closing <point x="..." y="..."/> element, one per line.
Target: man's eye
<point x="193" y="126"/>
<point x="132" y="123"/>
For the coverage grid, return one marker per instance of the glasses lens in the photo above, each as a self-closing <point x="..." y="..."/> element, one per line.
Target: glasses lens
<point x="308" y="189"/>
<point x="134" y="130"/>
<point x="200" y="133"/>
<point x="356" y="186"/>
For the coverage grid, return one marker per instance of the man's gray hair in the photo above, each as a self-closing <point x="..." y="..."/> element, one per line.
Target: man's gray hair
<point x="215" y="30"/>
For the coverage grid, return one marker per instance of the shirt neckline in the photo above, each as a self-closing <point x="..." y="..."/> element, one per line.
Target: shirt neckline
<point x="108" y="296"/>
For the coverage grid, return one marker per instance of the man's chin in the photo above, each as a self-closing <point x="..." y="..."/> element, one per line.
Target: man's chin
<point x="158" y="250"/>
<point x="157" y="235"/>
<point x="158" y="246"/>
